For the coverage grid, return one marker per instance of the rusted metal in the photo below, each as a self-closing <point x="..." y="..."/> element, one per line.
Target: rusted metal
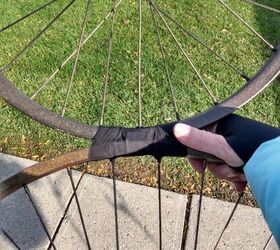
<point x="262" y="79"/>
<point x="42" y="169"/>
<point x="16" y="98"/>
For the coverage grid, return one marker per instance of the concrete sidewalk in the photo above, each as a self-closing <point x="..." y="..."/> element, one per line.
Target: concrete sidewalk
<point x="21" y="228"/>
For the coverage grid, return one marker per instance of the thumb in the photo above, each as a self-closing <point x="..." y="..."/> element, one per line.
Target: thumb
<point x="207" y="142"/>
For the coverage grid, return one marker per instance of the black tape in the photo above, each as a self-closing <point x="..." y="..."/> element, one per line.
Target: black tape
<point x="243" y="135"/>
<point x="157" y="141"/>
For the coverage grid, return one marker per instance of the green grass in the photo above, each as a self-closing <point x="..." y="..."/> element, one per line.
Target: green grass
<point x="208" y="19"/>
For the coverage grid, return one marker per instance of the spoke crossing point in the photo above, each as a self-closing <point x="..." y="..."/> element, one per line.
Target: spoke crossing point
<point x="138" y="216"/>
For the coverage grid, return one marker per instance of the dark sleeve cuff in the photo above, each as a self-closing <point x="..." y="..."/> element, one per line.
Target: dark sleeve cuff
<point x="245" y="135"/>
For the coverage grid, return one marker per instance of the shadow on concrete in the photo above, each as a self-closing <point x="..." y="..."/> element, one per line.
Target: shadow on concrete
<point x="18" y="218"/>
<point x="123" y="207"/>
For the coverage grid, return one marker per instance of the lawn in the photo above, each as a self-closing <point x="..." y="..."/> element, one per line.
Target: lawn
<point x="209" y="20"/>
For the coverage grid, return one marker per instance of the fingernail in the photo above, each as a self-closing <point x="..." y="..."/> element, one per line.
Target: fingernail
<point x="181" y="129"/>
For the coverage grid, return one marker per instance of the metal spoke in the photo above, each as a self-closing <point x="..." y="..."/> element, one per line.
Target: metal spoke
<point x="159" y="205"/>
<point x="26" y="189"/>
<point x="199" y="205"/>
<point x="84" y="24"/>
<point x="139" y="63"/>
<point x="113" y="163"/>
<point x="268" y="242"/>
<point x="27" y="15"/>
<point x="64" y="213"/>
<point x="105" y="90"/>
<point x="10" y="239"/>
<point x="213" y="98"/>
<point x="271" y="236"/>
<point x="69" y="171"/>
<point x="107" y="66"/>
<point x="163" y="54"/>
<point x="31" y="42"/>
<point x="248" y="26"/>
<point x="229" y="220"/>
<point x="263" y="6"/>
<point x="42" y="87"/>
<point x="82" y="41"/>
<point x="204" y="44"/>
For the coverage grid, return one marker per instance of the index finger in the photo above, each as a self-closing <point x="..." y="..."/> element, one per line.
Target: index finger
<point x="207" y="142"/>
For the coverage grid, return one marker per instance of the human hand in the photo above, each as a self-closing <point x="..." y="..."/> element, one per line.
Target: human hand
<point x="216" y="145"/>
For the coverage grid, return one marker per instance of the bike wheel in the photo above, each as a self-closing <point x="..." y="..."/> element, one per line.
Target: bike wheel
<point x="239" y="95"/>
<point x="42" y="169"/>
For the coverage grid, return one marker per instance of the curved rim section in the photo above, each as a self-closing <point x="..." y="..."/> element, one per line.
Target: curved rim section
<point x="42" y="169"/>
<point x="22" y="102"/>
<point x="15" y="97"/>
<point x="269" y="72"/>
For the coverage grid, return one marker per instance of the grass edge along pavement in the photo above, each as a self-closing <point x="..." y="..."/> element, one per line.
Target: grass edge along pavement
<point x="23" y="137"/>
